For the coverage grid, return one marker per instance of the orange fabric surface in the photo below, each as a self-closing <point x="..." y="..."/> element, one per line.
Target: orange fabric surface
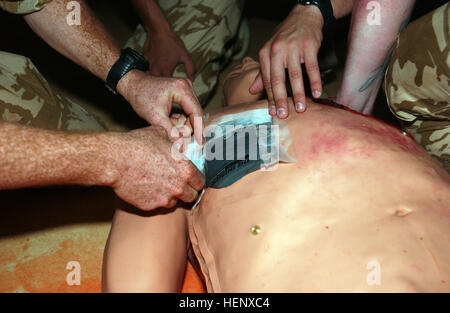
<point x="192" y="282"/>
<point x="43" y="230"/>
<point x="36" y="277"/>
<point x="45" y="273"/>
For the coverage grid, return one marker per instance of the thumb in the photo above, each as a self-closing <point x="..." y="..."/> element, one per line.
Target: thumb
<point x="172" y="131"/>
<point x="257" y="85"/>
<point x="189" y="65"/>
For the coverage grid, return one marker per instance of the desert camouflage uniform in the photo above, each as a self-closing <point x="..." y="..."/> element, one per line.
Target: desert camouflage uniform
<point x="34" y="259"/>
<point x="417" y="82"/>
<point x="26" y="98"/>
<point x="23" y="6"/>
<point x="25" y="95"/>
<point x="211" y="30"/>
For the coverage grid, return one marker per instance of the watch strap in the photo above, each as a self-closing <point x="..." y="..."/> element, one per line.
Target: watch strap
<point x="128" y="60"/>
<point x="325" y="7"/>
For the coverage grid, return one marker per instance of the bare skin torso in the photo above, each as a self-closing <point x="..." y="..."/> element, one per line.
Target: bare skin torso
<point x="363" y="209"/>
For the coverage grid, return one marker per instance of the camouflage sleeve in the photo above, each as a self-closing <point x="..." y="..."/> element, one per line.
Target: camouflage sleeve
<point x="23" y="6"/>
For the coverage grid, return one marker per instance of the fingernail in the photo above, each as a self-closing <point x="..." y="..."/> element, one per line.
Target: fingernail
<point x="282" y="112"/>
<point x="317" y="93"/>
<point x="273" y="110"/>
<point x="300" y="107"/>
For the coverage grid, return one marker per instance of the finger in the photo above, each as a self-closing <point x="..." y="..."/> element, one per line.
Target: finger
<point x="178" y="120"/>
<point x="296" y="79"/>
<point x="196" y="180"/>
<point x="192" y="108"/>
<point x="171" y="203"/>
<point x="168" y="72"/>
<point x="197" y="122"/>
<point x="257" y="85"/>
<point x="166" y="123"/>
<point x="155" y="71"/>
<point x="165" y="68"/>
<point x="189" y="65"/>
<point x="175" y="116"/>
<point x="189" y="194"/>
<point x="188" y="125"/>
<point x="278" y="79"/>
<point x="265" y="73"/>
<point x="185" y="96"/>
<point x="312" y="67"/>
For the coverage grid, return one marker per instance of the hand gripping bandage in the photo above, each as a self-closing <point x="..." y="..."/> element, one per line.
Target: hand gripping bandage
<point x="239" y="144"/>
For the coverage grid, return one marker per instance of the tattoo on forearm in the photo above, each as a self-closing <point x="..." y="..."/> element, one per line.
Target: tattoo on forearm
<point x="379" y="72"/>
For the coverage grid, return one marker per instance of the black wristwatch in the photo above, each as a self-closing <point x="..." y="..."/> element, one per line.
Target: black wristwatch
<point x="325" y="7"/>
<point x="129" y="60"/>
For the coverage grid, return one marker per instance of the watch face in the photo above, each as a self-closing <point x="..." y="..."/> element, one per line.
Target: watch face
<point x="134" y="54"/>
<point x="135" y="58"/>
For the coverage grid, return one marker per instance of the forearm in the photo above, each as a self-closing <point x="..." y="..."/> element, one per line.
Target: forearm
<point x="89" y="45"/>
<point x="151" y="15"/>
<point x="34" y="157"/>
<point x="369" y="51"/>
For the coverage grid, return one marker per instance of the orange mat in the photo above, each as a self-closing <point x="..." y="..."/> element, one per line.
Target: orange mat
<point x="192" y="282"/>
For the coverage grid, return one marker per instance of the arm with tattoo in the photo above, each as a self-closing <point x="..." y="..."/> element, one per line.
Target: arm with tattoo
<point x="370" y="49"/>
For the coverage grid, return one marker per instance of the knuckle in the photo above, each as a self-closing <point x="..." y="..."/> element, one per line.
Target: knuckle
<point x="181" y="83"/>
<point x="267" y="83"/>
<point x="313" y="67"/>
<point x="312" y="44"/>
<point x="277" y="46"/>
<point x="282" y="103"/>
<point x="299" y="96"/>
<point x="262" y="54"/>
<point x="163" y="202"/>
<point x="172" y="203"/>
<point x="176" y="190"/>
<point x="292" y="44"/>
<point x="187" y="171"/>
<point x="295" y="74"/>
<point x="277" y="80"/>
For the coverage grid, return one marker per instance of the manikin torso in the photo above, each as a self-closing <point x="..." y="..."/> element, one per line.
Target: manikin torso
<point x="363" y="209"/>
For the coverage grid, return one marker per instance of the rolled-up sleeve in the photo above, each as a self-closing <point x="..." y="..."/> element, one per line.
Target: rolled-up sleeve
<point x="23" y="6"/>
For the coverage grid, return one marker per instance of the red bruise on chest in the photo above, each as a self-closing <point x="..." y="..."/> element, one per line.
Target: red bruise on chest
<point x="392" y="132"/>
<point x="354" y="138"/>
<point x="384" y="131"/>
<point x="329" y="143"/>
<point x="350" y="135"/>
<point x="337" y="145"/>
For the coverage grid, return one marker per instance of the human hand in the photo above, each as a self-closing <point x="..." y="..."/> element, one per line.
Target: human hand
<point x="164" y="51"/>
<point x="147" y="174"/>
<point x="296" y="41"/>
<point x="181" y="122"/>
<point x="152" y="98"/>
